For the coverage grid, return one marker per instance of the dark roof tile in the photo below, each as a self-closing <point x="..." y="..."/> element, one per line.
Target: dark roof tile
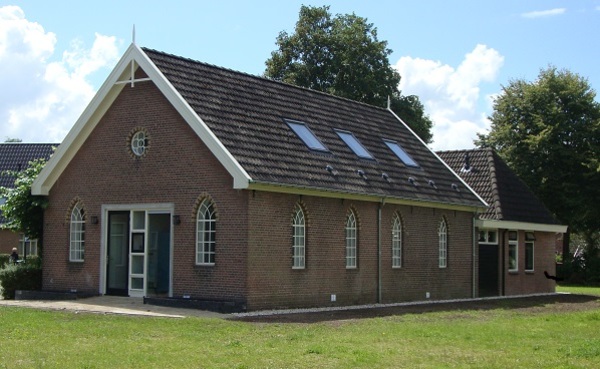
<point x="247" y="115"/>
<point x="16" y="156"/>
<point x="509" y="198"/>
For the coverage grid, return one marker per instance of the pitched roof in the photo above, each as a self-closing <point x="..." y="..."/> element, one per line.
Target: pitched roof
<point x="241" y="119"/>
<point x="16" y="156"/>
<point x="510" y="199"/>
<point x="247" y="114"/>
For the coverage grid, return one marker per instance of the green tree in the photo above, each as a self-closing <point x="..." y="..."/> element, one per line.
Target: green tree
<point x="342" y="56"/>
<point x="23" y="211"/>
<point x="548" y="131"/>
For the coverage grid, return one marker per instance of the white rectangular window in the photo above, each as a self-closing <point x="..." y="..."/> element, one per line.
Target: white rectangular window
<point x="488" y="236"/>
<point x="529" y="251"/>
<point x="513" y="251"/>
<point x="27" y="247"/>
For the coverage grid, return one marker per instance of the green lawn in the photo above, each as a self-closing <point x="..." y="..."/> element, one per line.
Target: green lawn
<point x="582" y="290"/>
<point x="501" y="338"/>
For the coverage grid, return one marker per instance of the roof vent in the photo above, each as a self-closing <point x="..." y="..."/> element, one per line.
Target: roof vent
<point x="467" y="165"/>
<point x="385" y="177"/>
<point x="432" y="184"/>
<point x="330" y="169"/>
<point x="412" y="181"/>
<point x="361" y="173"/>
<point x="455" y="187"/>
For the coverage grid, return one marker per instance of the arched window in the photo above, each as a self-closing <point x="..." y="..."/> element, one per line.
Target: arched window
<point x="77" y="234"/>
<point x="397" y="242"/>
<point x="205" y="233"/>
<point x="443" y="240"/>
<point x="351" y="241"/>
<point x="298" y="239"/>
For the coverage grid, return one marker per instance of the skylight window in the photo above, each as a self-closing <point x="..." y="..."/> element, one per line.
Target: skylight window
<point x="354" y="144"/>
<point x="400" y="153"/>
<point x="306" y="135"/>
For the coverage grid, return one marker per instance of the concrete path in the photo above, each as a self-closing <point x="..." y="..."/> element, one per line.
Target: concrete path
<point x="112" y="305"/>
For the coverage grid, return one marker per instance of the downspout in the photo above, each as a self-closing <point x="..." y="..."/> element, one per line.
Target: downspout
<point x="502" y="268"/>
<point x="474" y="259"/>
<point x="379" y="288"/>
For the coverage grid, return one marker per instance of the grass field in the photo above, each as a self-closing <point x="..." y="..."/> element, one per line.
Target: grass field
<point x="544" y="337"/>
<point x="584" y="290"/>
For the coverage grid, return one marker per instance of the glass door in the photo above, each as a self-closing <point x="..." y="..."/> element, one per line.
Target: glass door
<point x="158" y="254"/>
<point x="117" y="253"/>
<point x="138" y="253"/>
<point x="137" y="263"/>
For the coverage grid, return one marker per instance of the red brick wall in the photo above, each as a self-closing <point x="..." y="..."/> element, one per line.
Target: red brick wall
<point x="273" y="283"/>
<point x="420" y="272"/>
<point x="522" y="282"/>
<point x="8" y="240"/>
<point x="177" y="169"/>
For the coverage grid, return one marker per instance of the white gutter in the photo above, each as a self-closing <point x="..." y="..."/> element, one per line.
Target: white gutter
<point x="523" y="226"/>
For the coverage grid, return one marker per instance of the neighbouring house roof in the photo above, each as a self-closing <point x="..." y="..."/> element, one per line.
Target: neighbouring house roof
<point x="16" y="156"/>
<point x="510" y="199"/>
<point x="243" y="119"/>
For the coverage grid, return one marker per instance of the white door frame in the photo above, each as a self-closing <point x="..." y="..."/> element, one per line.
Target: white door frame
<point x="154" y="208"/>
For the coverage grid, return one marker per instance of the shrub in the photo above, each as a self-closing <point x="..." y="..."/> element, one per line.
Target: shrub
<point x="4" y="258"/>
<point x="27" y="276"/>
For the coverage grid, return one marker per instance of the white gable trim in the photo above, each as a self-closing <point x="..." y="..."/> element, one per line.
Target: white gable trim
<point x="102" y="101"/>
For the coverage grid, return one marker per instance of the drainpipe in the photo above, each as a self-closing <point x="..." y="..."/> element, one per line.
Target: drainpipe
<point x="474" y="259"/>
<point x="379" y="288"/>
<point x="502" y="268"/>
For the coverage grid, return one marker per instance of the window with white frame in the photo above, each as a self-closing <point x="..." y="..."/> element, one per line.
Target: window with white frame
<point x="77" y="232"/>
<point x="513" y="251"/>
<point x="397" y="242"/>
<point x="488" y="236"/>
<point x="529" y="251"/>
<point x="351" y="241"/>
<point x="27" y="246"/>
<point x="443" y="244"/>
<point x="298" y="239"/>
<point x="205" y="233"/>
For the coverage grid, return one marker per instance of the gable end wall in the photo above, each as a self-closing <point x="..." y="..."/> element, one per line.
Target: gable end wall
<point x="177" y="169"/>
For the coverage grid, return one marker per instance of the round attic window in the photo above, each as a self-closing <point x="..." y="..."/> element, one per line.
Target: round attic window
<point x="139" y="143"/>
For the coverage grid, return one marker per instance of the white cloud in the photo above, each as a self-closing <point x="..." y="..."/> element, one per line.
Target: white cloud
<point x="43" y="99"/>
<point x="544" y="13"/>
<point x="452" y="96"/>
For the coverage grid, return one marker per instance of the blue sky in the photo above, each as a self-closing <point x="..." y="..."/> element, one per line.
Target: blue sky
<point x="455" y="55"/>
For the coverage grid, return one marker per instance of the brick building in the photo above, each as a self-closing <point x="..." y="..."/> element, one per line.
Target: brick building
<point x="15" y="156"/>
<point x="188" y="181"/>
<point x="516" y="234"/>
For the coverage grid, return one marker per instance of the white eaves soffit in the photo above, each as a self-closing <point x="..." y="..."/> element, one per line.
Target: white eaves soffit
<point x="108" y="92"/>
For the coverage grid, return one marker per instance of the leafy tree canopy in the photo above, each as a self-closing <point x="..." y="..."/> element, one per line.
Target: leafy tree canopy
<point x="23" y="211"/>
<point x="342" y="56"/>
<point x="548" y="131"/>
